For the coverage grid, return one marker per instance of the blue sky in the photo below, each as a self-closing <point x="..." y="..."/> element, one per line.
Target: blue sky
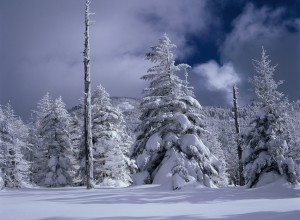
<point x="41" y="44"/>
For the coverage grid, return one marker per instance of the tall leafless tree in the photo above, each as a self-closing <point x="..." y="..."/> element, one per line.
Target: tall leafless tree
<point x="88" y="144"/>
<point x="237" y="129"/>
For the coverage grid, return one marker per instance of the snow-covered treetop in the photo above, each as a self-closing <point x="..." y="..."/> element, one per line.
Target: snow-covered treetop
<point x="162" y="55"/>
<point x="161" y="52"/>
<point x="44" y="106"/>
<point x="60" y="109"/>
<point x="265" y="87"/>
<point x="100" y="96"/>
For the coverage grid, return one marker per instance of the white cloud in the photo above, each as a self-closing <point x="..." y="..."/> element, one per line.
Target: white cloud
<point x="261" y="25"/>
<point x="125" y="30"/>
<point x="49" y="53"/>
<point x="218" y="78"/>
<point x="257" y="27"/>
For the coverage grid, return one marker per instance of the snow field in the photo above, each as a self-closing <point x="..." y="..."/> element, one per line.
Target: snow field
<point x="274" y="201"/>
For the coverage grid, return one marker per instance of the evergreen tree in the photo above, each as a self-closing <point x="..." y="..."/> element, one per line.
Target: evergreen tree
<point x="32" y="152"/>
<point x="13" y="135"/>
<point x="76" y="136"/>
<point x="293" y="127"/>
<point x="59" y="169"/>
<point x="53" y="157"/>
<point x="168" y="149"/>
<point x="2" y="149"/>
<point x="37" y="135"/>
<point x="227" y="138"/>
<point x="265" y="145"/>
<point x="211" y="141"/>
<point x="110" y="140"/>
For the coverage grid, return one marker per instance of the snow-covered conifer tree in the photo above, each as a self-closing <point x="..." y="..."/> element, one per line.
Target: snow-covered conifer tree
<point x="44" y="107"/>
<point x="265" y="146"/>
<point x="76" y="136"/>
<point x="293" y="126"/>
<point x="57" y="151"/>
<point x="38" y="133"/>
<point x="13" y="135"/>
<point x="2" y="149"/>
<point x="60" y="165"/>
<point x="110" y="140"/>
<point x="168" y="149"/>
<point x="211" y="141"/>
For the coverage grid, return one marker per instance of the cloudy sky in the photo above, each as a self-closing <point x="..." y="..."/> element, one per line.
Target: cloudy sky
<point x="41" y="44"/>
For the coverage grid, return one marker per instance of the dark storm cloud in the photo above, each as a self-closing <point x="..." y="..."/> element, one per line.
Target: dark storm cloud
<point x="41" y="45"/>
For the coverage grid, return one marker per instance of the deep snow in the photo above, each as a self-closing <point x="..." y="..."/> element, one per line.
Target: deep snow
<point x="274" y="201"/>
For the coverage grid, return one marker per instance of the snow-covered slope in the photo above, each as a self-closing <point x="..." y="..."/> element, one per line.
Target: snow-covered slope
<point x="275" y="201"/>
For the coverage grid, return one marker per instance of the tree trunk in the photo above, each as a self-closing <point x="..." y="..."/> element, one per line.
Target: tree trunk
<point x="87" y="103"/>
<point x="237" y="129"/>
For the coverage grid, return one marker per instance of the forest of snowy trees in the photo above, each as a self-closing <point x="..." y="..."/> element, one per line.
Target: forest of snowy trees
<point x="174" y="142"/>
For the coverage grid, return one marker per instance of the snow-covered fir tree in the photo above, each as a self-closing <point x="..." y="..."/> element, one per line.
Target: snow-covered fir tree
<point x="293" y="127"/>
<point x="265" y="145"/>
<point x="60" y="170"/>
<point x="211" y="141"/>
<point x="33" y="153"/>
<point x="13" y="134"/>
<point x="54" y="158"/>
<point x="168" y="149"/>
<point x="76" y="136"/>
<point x="2" y="150"/>
<point x="227" y="137"/>
<point x="37" y="135"/>
<point x="111" y="143"/>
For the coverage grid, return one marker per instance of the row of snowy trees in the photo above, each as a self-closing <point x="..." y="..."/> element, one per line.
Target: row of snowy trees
<point x="270" y="132"/>
<point x="174" y="148"/>
<point x="174" y="144"/>
<point x="49" y="151"/>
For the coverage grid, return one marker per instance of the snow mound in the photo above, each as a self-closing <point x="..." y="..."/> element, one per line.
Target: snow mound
<point x="267" y="178"/>
<point x="154" y="142"/>
<point x="142" y="159"/>
<point x="140" y="178"/>
<point x="272" y="182"/>
<point x="193" y="102"/>
<point x="183" y="121"/>
<point x="108" y="182"/>
<point x="164" y="175"/>
<point x="189" y="140"/>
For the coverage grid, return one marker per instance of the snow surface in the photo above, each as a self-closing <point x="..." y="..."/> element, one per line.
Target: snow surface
<point x="154" y="142"/>
<point x="274" y="201"/>
<point x="183" y="121"/>
<point x="189" y="140"/>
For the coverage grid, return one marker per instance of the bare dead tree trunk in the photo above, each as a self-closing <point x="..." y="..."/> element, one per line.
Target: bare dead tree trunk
<point x="237" y="129"/>
<point x="88" y="144"/>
